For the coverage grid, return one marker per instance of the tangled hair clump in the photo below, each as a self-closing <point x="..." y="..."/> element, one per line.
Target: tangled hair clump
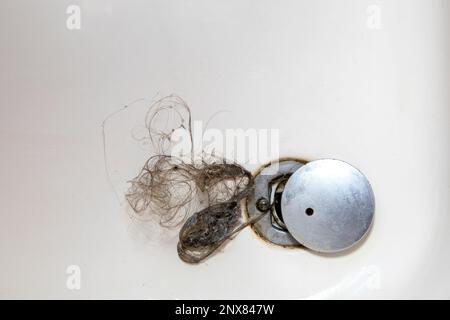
<point x="203" y="193"/>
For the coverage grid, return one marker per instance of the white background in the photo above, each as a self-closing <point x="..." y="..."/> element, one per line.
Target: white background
<point x="376" y="98"/>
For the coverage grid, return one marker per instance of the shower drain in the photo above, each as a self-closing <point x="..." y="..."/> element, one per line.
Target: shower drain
<point x="325" y="205"/>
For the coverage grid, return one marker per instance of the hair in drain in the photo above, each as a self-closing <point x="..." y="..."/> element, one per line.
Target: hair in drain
<point x="201" y="194"/>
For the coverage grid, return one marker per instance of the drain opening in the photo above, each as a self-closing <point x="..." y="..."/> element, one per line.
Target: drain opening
<point x="276" y="192"/>
<point x="270" y="182"/>
<point x="309" y="211"/>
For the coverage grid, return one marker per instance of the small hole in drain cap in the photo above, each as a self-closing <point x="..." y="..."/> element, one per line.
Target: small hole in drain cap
<point x="309" y="211"/>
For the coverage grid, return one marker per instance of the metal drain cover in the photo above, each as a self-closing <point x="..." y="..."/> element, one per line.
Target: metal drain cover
<point x="327" y="205"/>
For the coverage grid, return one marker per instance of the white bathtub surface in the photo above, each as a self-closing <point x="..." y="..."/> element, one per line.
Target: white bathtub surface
<point x="362" y="81"/>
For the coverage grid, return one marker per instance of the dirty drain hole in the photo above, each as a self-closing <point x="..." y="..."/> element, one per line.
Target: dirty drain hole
<point x="309" y="211"/>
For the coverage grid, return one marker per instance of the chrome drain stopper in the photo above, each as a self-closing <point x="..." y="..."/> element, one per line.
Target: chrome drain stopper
<point x="327" y="205"/>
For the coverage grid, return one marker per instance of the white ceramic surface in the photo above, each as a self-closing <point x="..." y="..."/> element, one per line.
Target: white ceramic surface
<point x="374" y="93"/>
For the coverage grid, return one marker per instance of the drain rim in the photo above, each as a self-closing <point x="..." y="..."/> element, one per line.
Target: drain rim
<point x="264" y="227"/>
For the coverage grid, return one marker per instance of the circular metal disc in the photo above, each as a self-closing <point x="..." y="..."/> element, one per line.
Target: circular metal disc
<point x="328" y="205"/>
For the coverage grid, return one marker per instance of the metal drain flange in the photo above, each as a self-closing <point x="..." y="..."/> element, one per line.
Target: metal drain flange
<point x="271" y="227"/>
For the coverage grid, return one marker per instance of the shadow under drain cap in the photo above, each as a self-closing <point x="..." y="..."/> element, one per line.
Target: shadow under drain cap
<point x="328" y="205"/>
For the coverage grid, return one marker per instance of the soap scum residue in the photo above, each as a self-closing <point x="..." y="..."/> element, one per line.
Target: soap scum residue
<point x="200" y="194"/>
